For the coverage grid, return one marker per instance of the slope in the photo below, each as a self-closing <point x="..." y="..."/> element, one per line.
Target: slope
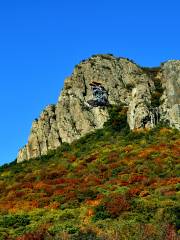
<point x="110" y="184"/>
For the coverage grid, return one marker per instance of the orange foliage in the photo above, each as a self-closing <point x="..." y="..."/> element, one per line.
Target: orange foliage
<point x="58" y="192"/>
<point x="39" y="235"/>
<point x="144" y="193"/>
<point x="116" y="205"/>
<point x="124" y="183"/>
<point x="56" y="181"/>
<point x="146" y="152"/>
<point x="70" y="157"/>
<point x="40" y="185"/>
<point x="53" y="205"/>
<point x="164" y="182"/>
<point x="137" y="178"/>
<point x="27" y="185"/>
<point x="149" y="230"/>
<point x="92" y="180"/>
<point x="19" y="194"/>
<point x="128" y="148"/>
<point x="134" y="191"/>
<point x="173" y="180"/>
<point x="169" y="193"/>
<point x="93" y="203"/>
<point x="72" y="181"/>
<point x="165" y="130"/>
<point x="23" y="205"/>
<point x="171" y="233"/>
<point x="5" y="205"/>
<point x="70" y="195"/>
<point x="90" y="212"/>
<point x="92" y="158"/>
<point x="158" y="161"/>
<point x="113" y="165"/>
<point x="113" y="156"/>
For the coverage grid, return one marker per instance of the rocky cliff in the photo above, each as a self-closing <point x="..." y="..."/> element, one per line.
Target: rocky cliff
<point x="151" y="95"/>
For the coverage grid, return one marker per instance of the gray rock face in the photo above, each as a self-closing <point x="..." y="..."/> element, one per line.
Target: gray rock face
<point x="170" y="108"/>
<point x="125" y="82"/>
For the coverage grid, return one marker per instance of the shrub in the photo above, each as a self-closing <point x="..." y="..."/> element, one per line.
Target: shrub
<point x="71" y="229"/>
<point x="65" y="147"/>
<point x="155" y="100"/>
<point x="89" y="235"/>
<point x="14" y="221"/>
<point x="117" y="170"/>
<point x="85" y="194"/>
<point x="117" y="118"/>
<point x="115" y="204"/>
<point x="38" y="235"/>
<point x="100" y="213"/>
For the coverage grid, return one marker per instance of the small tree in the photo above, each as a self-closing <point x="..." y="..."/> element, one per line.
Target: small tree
<point x="117" y="118"/>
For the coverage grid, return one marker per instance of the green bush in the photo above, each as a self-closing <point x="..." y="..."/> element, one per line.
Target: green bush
<point x="84" y="195"/>
<point x="117" y="118"/>
<point x="100" y="213"/>
<point x="89" y="235"/>
<point x="71" y="229"/>
<point x="14" y="221"/>
<point x="117" y="170"/>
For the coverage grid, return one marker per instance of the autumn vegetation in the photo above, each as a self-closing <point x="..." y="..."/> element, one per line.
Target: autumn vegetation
<point x="112" y="184"/>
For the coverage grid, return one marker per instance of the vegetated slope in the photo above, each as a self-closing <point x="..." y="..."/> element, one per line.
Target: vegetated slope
<point x="110" y="184"/>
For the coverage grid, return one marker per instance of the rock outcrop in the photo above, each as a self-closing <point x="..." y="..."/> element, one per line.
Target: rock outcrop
<point x="170" y="107"/>
<point x="152" y="95"/>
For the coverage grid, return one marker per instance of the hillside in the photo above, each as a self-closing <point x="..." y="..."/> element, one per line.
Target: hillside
<point x="151" y="95"/>
<point x="112" y="184"/>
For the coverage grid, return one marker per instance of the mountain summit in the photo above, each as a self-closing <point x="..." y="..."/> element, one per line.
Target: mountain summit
<point x="151" y="95"/>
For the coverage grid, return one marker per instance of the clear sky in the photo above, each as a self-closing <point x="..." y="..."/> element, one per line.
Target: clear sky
<point x="42" y="40"/>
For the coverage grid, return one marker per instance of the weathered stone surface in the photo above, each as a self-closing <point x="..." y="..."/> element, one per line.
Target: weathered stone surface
<point x="124" y="81"/>
<point x="170" y="108"/>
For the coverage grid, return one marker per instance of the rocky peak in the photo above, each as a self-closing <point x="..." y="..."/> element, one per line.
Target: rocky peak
<point x="152" y="95"/>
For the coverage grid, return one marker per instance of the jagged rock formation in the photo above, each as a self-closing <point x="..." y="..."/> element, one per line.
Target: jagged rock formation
<point x="152" y="95"/>
<point x="170" y="107"/>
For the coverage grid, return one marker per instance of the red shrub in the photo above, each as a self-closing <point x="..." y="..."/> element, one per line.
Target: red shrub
<point x="124" y="183"/>
<point x="144" y="193"/>
<point x="92" y="158"/>
<point x="59" y="192"/>
<point x="173" y="180"/>
<point x="27" y="185"/>
<point x="137" y="178"/>
<point x="41" y="186"/>
<point x="72" y="181"/>
<point x="71" y="195"/>
<point x="91" y="180"/>
<point x="113" y="156"/>
<point x="72" y="158"/>
<point x="113" y="165"/>
<point x="134" y="192"/>
<point x="56" y="181"/>
<point x="43" y="202"/>
<point x="52" y="174"/>
<point x="115" y="204"/>
<point x="171" y="233"/>
<point x="170" y="193"/>
<point x="103" y="168"/>
<point x="53" y="205"/>
<point x="19" y="194"/>
<point x="39" y="235"/>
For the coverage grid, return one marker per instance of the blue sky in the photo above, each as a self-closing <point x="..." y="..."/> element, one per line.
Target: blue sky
<point x="41" y="41"/>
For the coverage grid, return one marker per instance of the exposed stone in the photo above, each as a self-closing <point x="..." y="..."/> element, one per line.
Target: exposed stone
<point x="170" y="108"/>
<point x="124" y="81"/>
